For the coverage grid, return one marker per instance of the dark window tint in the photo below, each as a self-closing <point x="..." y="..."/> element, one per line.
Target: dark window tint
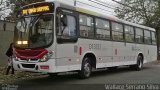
<point x="117" y="31"/>
<point x="153" y="38"/>
<point x="86" y="26"/>
<point x="139" y="35"/>
<point x="147" y="37"/>
<point x="102" y="29"/>
<point x="129" y="33"/>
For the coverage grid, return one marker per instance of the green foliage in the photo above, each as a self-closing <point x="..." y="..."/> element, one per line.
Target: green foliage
<point x="139" y="11"/>
<point x="146" y="12"/>
<point x="20" y="3"/>
<point x="17" y="5"/>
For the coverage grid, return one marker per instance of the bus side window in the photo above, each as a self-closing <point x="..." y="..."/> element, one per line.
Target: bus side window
<point x="68" y="25"/>
<point x="86" y="26"/>
<point x="139" y="35"/>
<point x="64" y="20"/>
<point x="147" y="37"/>
<point x="102" y="29"/>
<point x="63" y="23"/>
<point x="153" y="38"/>
<point x="129" y="33"/>
<point x="117" y="31"/>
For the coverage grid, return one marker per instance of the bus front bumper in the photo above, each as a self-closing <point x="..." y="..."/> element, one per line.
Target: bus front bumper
<point x="33" y="66"/>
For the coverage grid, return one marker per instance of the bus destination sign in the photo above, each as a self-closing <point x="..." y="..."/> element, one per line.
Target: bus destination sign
<point x="38" y="9"/>
<point x="35" y="10"/>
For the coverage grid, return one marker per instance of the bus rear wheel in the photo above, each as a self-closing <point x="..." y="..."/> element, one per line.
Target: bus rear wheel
<point x="86" y="69"/>
<point x="139" y="64"/>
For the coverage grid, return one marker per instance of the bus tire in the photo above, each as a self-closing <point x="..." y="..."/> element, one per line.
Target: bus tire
<point x="86" y="69"/>
<point x="139" y="65"/>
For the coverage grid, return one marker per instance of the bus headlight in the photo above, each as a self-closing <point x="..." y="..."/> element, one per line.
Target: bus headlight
<point x="22" y="42"/>
<point x="47" y="56"/>
<point x="44" y="59"/>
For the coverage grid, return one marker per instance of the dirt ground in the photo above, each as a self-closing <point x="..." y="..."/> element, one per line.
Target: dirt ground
<point x="5" y="79"/>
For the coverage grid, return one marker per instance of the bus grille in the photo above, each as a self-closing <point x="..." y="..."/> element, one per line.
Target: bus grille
<point x="24" y="59"/>
<point x="28" y="65"/>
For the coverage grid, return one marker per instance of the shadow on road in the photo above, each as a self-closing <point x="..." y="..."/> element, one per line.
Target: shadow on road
<point x="73" y="77"/>
<point x="72" y="81"/>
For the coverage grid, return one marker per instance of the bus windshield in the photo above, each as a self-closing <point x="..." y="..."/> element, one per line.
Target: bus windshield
<point x="34" y="31"/>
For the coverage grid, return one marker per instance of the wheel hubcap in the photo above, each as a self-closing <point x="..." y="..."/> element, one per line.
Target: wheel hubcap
<point x="140" y="64"/>
<point x="87" y="69"/>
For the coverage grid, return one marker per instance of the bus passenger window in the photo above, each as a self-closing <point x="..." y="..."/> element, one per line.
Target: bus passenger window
<point x="129" y="33"/>
<point x="153" y="38"/>
<point x="147" y="37"/>
<point x="139" y="35"/>
<point x="102" y="29"/>
<point x="86" y="26"/>
<point x="117" y="31"/>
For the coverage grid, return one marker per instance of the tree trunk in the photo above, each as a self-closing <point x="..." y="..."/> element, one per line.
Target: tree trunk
<point x="158" y="43"/>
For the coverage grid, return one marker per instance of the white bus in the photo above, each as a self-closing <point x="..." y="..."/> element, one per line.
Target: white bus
<point x="71" y="35"/>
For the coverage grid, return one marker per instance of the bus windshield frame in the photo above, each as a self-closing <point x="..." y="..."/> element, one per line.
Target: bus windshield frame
<point x="35" y="26"/>
<point x="34" y="31"/>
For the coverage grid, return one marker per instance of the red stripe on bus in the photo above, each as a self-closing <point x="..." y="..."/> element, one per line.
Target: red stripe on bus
<point x="80" y="51"/>
<point x="116" y="51"/>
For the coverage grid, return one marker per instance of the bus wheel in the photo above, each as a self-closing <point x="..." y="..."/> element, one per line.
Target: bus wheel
<point x="85" y="69"/>
<point x="53" y="75"/>
<point x="139" y="64"/>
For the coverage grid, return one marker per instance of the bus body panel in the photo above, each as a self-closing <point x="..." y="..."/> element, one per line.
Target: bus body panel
<point x="108" y="53"/>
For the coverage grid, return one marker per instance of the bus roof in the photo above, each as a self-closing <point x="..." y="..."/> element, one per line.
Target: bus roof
<point x="96" y="8"/>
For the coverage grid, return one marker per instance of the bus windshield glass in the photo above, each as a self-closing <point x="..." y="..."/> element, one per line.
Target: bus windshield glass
<point x="34" y="31"/>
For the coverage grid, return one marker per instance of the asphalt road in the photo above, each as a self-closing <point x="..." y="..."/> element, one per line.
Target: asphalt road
<point x="122" y="76"/>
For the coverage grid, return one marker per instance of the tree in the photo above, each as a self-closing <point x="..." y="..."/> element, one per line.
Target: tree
<point x="4" y="8"/>
<point x="20" y="3"/>
<point x="17" y="5"/>
<point x="146" y="12"/>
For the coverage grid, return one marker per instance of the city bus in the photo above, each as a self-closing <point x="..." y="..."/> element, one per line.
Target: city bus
<point x="74" y="35"/>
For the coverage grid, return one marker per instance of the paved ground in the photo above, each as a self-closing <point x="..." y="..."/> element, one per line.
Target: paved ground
<point x="149" y="75"/>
